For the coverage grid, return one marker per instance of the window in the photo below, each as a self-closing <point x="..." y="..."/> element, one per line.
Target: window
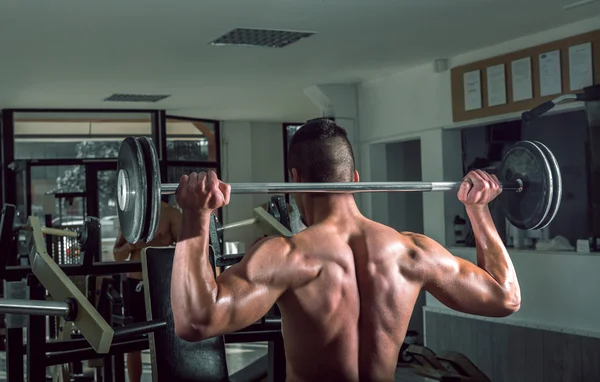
<point x="191" y="140"/>
<point x="192" y="145"/>
<point x="565" y="135"/>
<point x="58" y="190"/>
<point x="75" y="135"/>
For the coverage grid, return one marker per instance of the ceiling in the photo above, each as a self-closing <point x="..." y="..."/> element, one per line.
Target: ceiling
<point x="75" y="53"/>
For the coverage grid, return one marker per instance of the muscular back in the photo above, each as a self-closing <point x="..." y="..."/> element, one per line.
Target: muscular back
<point x="349" y="322"/>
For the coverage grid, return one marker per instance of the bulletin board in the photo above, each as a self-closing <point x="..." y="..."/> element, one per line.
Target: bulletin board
<point x="521" y="80"/>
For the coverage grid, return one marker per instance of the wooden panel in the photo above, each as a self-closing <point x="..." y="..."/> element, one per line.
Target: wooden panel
<point x="562" y="357"/>
<point x="503" y="349"/>
<point x="516" y="354"/>
<point x="458" y="102"/>
<point x="472" y="334"/>
<point x="524" y="360"/>
<point x="443" y="342"/>
<point x="590" y="358"/>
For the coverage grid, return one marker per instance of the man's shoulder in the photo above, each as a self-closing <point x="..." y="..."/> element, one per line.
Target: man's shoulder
<point x="273" y="245"/>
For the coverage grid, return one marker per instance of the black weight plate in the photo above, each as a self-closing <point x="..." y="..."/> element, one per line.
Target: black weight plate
<point x="526" y="209"/>
<point x="215" y="237"/>
<point x="131" y="189"/>
<point x="283" y="211"/>
<point x="556" y="185"/>
<point x="153" y="181"/>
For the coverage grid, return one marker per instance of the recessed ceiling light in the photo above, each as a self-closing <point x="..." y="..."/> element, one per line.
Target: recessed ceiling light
<point x="261" y="37"/>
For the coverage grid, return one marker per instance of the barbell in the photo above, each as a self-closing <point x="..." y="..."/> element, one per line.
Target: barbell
<point x="529" y="172"/>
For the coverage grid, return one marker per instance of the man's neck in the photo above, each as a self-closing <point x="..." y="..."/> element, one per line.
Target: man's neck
<point x="331" y="207"/>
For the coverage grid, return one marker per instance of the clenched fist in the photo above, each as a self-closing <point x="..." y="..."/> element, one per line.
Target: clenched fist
<point x="479" y="188"/>
<point x="202" y="192"/>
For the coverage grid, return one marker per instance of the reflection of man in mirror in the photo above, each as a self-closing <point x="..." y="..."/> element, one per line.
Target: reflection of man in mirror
<point x="133" y="292"/>
<point x="210" y="137"/>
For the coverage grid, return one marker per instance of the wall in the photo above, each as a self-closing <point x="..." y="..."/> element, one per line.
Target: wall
<point x="251" y="152"/>
<point x="419" y="99"/>
<point x="267" y="156"/>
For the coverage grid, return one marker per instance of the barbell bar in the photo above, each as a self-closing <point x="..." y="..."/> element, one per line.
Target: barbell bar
<point x="342" y="188"/>
<point x="529" y="175"/>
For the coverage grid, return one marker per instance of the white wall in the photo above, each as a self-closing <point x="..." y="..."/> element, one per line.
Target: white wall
<point x="418" y="99"/>
<point x="416" y="104"/>
<point x="267" y="156"/>
<point x="251" y="152"/>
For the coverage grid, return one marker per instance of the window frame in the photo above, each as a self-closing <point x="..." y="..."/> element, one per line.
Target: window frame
<point x="158" y="118"/>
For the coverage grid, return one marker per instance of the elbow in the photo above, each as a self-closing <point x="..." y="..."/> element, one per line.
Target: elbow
<point x="510" y="304"/>
<point x="188" y="333"/>
<point x="191" y="330"/>
<point x="510" y="307"/>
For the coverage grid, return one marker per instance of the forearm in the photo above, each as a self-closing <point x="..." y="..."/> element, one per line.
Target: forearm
<point x="492" y="255"/>
<point x="121" y="253"/>
<point x="193" y="285"/>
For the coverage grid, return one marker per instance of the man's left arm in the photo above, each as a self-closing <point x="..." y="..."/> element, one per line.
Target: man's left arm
<point x="205" y="307"/>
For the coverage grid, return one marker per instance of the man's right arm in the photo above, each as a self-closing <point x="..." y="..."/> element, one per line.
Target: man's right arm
<point x="489" y="288"/>
<point x="122" y="248"/>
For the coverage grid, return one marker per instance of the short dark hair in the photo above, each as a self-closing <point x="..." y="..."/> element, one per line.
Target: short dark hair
<point x="321" y="152"/>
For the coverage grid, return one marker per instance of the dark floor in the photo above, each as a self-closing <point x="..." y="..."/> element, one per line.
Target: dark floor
<point x="238" y="357"/>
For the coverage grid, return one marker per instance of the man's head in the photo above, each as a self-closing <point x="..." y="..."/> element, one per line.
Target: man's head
<point x="321" y="152"/>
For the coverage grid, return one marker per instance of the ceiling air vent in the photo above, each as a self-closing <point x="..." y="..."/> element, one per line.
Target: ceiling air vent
<point x="135" y="98"/>
<point x="261" y="37"/>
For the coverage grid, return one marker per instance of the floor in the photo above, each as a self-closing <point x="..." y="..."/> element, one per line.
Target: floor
<point x="238" y="357"/>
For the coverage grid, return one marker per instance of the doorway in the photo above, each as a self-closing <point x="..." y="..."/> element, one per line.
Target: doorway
<point x="405" y="209"/>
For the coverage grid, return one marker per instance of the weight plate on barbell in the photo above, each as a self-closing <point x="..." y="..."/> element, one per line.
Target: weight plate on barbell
<point x="526" y="209"/>
<point x="131" y="190"/>
<point x="152" y="171"/>
<point x="556" y="185"/>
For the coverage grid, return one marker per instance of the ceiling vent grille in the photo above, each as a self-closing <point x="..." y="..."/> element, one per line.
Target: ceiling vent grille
<point x="135" y="98"/>
<point x="261" y="37"/>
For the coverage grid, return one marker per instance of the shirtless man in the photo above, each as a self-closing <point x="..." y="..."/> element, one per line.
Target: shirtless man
<point x="134" y="303"/>
<point x="346" y="286"/>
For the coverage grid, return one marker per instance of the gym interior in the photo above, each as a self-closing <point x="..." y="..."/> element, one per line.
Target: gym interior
<point x="224" y="86"/>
